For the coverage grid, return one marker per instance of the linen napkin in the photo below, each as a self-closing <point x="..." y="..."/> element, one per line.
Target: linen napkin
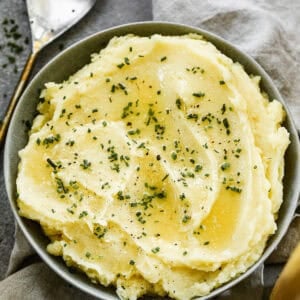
<point x="267" y="30"/>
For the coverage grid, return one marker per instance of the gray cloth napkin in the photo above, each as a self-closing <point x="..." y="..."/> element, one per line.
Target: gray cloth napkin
<point x="265" y="29"/>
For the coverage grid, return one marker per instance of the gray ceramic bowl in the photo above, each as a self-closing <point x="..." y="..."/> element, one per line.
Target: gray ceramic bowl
<point x="73" y="59"/>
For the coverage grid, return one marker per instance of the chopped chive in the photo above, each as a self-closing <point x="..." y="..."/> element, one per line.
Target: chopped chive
<point x="199" y="95"/>
<point x="51" y="163"/>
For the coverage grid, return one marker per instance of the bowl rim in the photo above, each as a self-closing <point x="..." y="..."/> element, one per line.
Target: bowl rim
<point x="127" y="27"/>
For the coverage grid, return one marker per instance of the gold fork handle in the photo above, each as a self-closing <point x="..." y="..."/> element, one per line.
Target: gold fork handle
<point x="16" y="95"/>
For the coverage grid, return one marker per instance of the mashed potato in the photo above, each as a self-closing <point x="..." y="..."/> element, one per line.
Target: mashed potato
<point x="157" y="168"/>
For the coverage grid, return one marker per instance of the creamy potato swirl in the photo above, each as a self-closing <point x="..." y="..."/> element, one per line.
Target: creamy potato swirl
<point x="156" y="168"/>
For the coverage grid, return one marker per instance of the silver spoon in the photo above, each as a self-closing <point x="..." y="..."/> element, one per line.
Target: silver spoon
<point x="48" y="20"/>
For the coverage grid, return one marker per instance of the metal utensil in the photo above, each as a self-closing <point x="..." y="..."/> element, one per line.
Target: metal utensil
<point x="48" y="20"/>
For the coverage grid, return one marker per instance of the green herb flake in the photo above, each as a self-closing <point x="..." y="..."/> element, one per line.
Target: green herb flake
<point x="99" y="232"/>
<point x="85" y="164"/>
<point x="51" y="163"/>
<point x="61" y="189"/>
<point x="174" y="155"/>
<point x="70" y="211"/>
<point x="186" y="218"/>
<point x="133" y="132"/>
<point x="182" y="196"/>
<point x="192" y="116"/>
<point x="126" y="60"/>
<point x="121" y="65"/>
<point x="70" y="143"/>
<point x="223" y="109"/>
<point x="126" y="110"/>
<point x="121" y="196"/>
<point x="83" y="214"/>
<point x="132" y="262"/>
<point x="165" y="177"/>
<point x="155" y="250"/>
<point x="225" y="166"/>
<point x="199" y="95"/>
<point x="234" y="189"/>
<point x="198" y="168"/>
<point x="159" y="130"/>
<point x="51" y="140"/>
<point x="178" y="103"/>
<point x="226" y="125"/>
